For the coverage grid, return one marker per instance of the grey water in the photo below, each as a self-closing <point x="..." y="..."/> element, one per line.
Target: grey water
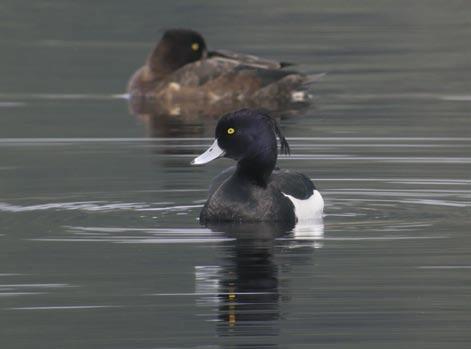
<point x="100" y="246"/>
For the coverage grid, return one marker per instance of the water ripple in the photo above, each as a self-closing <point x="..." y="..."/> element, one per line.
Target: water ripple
<point x="128" y="235"/>
<point x="95" y="206"/>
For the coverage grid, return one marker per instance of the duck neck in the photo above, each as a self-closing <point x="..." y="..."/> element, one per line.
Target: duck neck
<point x="256" y="169"/>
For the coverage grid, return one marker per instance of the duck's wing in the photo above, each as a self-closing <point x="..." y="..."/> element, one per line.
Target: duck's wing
<point x="200" y="72"/>
<point x="294" y="184"/>
<point x="223" y="77"/>
<point x="224" y="72"/>
<point x="247" y="60"/>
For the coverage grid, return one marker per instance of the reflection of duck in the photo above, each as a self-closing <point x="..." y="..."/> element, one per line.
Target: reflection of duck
<point x="159" y="125"/>
<point x="194" y="119"/>
<point x="248" y="285"/>
<point x="255" y="190"/>
<point x="245" y="286"/>
<point x="184" y="78"/>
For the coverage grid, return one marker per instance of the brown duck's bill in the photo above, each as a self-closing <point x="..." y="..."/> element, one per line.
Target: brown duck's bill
<point x="214" y="152"/>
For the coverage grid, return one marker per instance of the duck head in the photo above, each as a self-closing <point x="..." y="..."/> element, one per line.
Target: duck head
<point x="176" y="48"/>
<point x="249" y="137"/>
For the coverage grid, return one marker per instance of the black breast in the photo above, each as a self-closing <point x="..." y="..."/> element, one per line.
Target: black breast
<point x="237" y="200"/>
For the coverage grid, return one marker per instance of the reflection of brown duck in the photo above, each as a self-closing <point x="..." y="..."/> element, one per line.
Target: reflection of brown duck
<point x="183" y="78"/>
<point x="161" y="123"/>
<point x="190" y="119"/>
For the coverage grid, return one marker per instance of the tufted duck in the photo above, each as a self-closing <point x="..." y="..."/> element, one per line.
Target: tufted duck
<point x="255" y="189"/>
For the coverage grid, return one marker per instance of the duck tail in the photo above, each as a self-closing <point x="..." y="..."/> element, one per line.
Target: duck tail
<point x="301" y="93"/>
<point x="312" y="78"/>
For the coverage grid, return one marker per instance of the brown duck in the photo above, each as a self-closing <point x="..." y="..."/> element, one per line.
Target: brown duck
<point x="181" y="70"/>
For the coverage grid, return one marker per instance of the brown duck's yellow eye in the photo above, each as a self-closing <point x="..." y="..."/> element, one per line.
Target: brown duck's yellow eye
<point x="230" y="131"/>
<point x="195" y="46"/>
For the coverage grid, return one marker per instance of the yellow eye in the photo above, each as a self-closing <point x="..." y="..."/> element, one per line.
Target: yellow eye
<point x="195" y="46"/>
<point x="230" y="131"/>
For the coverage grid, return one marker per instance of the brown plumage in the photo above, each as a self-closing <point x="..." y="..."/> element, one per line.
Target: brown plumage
<point x="181" y="70"/>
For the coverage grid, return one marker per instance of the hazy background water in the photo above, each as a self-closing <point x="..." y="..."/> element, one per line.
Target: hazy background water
<point x="99" y="242"/>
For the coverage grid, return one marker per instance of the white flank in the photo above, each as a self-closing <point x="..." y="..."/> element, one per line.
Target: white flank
<point x="309" y="209"/>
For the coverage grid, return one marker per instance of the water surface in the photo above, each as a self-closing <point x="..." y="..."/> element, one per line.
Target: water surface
<point x="100" y="246"/>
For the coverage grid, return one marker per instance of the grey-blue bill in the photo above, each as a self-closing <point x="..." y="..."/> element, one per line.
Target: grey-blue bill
<point x="214" y="152"/>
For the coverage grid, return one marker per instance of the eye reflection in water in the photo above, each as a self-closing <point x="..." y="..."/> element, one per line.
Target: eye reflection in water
<point x="246" y="285"/>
